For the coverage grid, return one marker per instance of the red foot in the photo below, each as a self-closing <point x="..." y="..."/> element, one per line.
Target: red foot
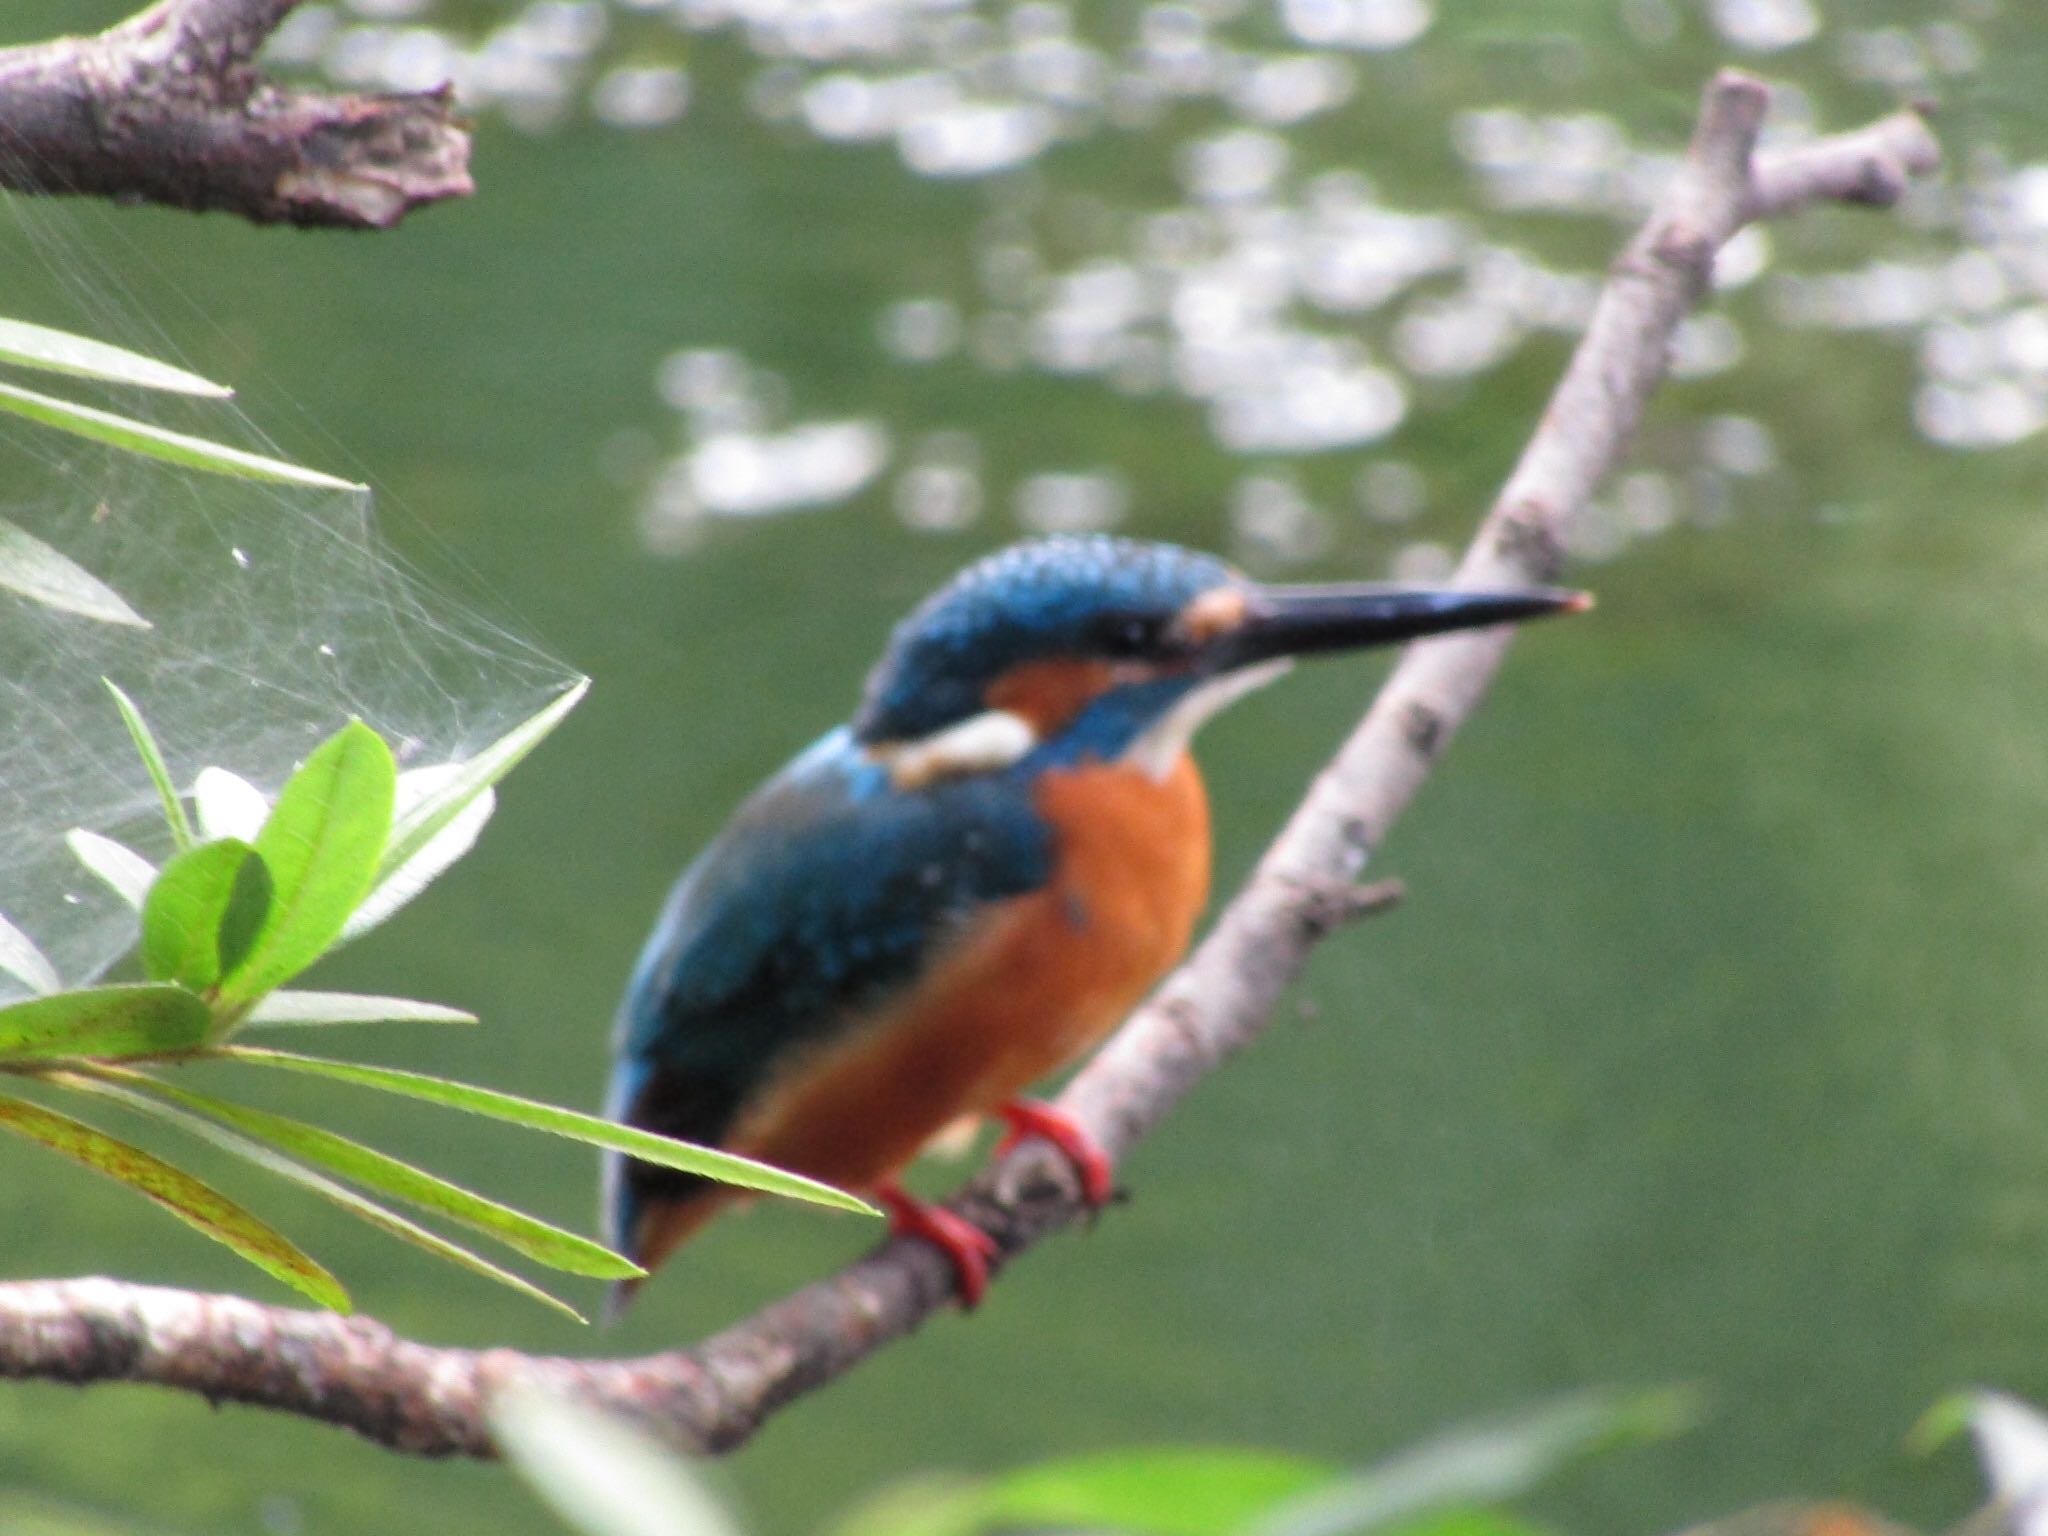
<point x="956" y="1237"/>
<point x="1028" y="1117"/>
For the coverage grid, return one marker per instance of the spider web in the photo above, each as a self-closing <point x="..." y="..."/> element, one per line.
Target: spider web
<point x="275" y="614"/>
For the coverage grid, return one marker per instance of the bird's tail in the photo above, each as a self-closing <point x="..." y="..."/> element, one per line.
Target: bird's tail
<point x="661" y="1227"/>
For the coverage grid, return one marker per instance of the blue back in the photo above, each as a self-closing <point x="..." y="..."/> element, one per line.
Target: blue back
<point x="829" y="890"/>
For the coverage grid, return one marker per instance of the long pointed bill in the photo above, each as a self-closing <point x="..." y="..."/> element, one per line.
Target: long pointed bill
<point x="1302" y="621"/>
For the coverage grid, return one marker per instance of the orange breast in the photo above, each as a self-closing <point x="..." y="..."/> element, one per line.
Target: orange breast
<point x="1038" y="981"/>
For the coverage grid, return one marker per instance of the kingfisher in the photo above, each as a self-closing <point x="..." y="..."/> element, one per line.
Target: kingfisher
<point x="968" y="885"/>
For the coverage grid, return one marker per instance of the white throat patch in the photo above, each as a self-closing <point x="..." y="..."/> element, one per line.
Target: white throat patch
<point x="1160" y="746"/>
<point x="981" y="743"/>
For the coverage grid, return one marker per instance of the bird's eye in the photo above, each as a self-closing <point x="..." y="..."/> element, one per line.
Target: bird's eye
<point x="1127" y="635"/>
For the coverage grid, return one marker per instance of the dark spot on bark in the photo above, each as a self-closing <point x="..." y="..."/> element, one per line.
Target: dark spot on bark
<point x="1357" y="835"/>
<point x="1423" y="729"/>
<point x="1528" y="539"/>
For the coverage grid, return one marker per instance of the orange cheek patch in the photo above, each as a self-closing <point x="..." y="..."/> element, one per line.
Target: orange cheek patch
<point x="1216" y="612"/>
<point x="1051" y="693"/>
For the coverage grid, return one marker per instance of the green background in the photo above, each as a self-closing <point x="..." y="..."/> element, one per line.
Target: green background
<point x="1711" y="1045"/>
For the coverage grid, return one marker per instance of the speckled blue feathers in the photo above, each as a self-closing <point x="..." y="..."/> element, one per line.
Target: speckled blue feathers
<point x="1075" y="596"/>
<point x="829" y="890"/>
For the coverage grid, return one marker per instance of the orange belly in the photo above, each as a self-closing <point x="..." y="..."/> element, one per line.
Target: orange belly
<point x="1038" y="980"/>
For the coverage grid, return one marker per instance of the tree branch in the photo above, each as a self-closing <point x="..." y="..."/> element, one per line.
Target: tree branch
<point x="413" y="1397"/>
<point x="170" y="107"/>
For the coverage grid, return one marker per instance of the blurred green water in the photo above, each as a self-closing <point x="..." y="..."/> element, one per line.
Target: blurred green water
<point x="1708" y="1047"/>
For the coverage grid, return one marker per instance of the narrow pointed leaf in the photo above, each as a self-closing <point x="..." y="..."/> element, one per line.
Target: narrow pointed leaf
<point x="203" y="913"/>
<point x="588" y="1129"/>
<point x="153" y="763"/>
<point x="537" y="1239"/>
<point x="154" y="442"/>
<point x="28" y="965"/>
<point x="124" y="871"/>
<point x="603" y="1476"/>
<point x="435" y="857"/>
<point x="273" y="1161"/>
<point x="33" y="1514"/>
<point x="1166" y="1490"/>
<point x="413" y="830"/>
<point x="350" y="1008"/>
<point x="321" y="843"/>
<point x="228" y="805"/>
<point x="1160" y="1490"/>
<point x="196" y="1204"/>
<point x="27" y="345"/>
<point x="1481" y="1464"/>
<point x="924" y="1504"/>
<point x="108" y="1022"/>
<point x="46" y="575"/>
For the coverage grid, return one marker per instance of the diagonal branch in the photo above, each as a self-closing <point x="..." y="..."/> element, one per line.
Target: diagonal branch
<point x="170" y="107"/>
<point x="414" y="1397"/>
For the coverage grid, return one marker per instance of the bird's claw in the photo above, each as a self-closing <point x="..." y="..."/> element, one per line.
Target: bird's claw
<point x="1028" y="1117"/>
<point x="963" y="1243"/>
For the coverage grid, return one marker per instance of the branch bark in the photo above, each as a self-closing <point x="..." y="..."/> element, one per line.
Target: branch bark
<point x="169" y="107"/>
<point x="414" y="1397"/>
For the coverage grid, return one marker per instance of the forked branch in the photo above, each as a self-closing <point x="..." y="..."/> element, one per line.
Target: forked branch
<point x="415" y="1397"/>
<point x="170" y="107"/>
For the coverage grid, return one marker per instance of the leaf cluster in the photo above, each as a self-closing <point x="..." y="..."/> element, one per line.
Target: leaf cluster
<point x="607" y="1479"/>
<point x="254" y="894"/>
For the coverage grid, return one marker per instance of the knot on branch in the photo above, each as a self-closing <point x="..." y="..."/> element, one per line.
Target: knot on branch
<point x="170" y="107"/>
<point x="367" y="161"/>
<point x="1323" y="906"/>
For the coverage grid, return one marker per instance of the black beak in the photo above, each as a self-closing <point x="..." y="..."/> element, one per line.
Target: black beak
<point x="1302" y="621"/>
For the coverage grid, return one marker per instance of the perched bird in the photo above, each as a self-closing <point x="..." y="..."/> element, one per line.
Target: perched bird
<point x="971" y="883"/>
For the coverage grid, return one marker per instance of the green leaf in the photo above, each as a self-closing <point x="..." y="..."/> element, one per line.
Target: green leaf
<point x="588" y="1129"/>
<point x="1471" y="1522"/>
<point x="926" y="1504"/>
<point x="1482" y="1464"/>
<point x="272" y="1161"/>
<point x="321" y="842"/>
<point x="601" y="1475"/>
<point x="140" y="437"/>
<point x="439" y="853"/>
<point x="28" y="965"/>
<point x="38" y="346"/>
<point x="372" y="1169"/>
<point x="1141" y="1491"/>
<point x="107" y="1022"/>
<point x="350" y="1008"/>
<point x="196" y="1204"/>
<point x="127" y="873"/>
<point x="412" y="831"/>
<point x="153" y="763"/>
<point x="1164" y="1491"/>
<point x="228" y="805"/>
<point x="1945" y="1419"/>
<point x="30" y="1514"/>
<point x="46" y="575"/>
<point x="203" y="913"/>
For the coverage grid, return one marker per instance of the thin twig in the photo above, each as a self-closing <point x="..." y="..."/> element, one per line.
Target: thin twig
<point x="170" y="107"/>
<point x="414" y="1397"/>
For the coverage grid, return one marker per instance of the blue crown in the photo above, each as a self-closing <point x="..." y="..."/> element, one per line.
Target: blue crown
<point x="1072" y="596"/>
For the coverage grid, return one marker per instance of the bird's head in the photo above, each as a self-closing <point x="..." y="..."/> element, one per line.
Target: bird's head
<point x="1118" y="650"/>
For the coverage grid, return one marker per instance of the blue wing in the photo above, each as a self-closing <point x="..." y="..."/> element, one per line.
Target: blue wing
<point x="828" y="890"/>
